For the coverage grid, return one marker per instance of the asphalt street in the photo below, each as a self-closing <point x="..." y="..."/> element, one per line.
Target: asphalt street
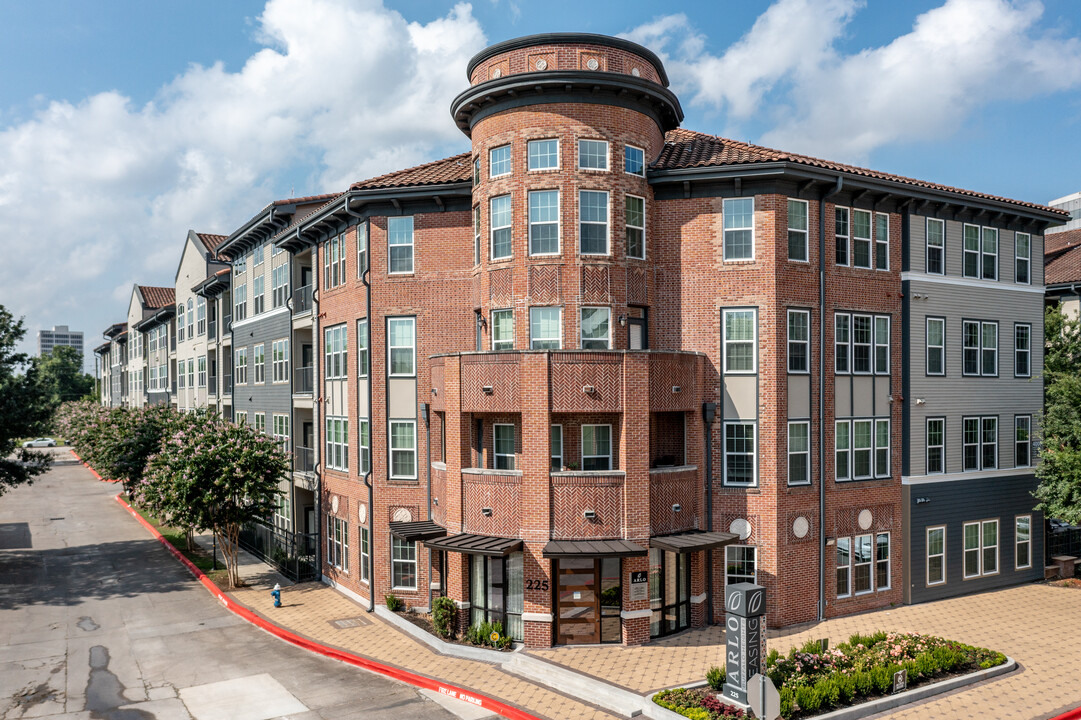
<point x="98" y="621"/>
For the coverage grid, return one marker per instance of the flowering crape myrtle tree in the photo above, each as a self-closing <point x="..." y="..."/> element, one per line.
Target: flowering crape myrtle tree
<point x="213" y="475"/>
<point x="1059" y="470"/>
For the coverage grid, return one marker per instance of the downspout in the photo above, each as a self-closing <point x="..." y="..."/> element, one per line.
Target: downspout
<point x="292" y="407"/>
<point x="317" y="457"/>
<point x="709" y="413"/>
<point x="426" y="414"/>
<point x="366" y="279"/>
<point x="821" y="395"/>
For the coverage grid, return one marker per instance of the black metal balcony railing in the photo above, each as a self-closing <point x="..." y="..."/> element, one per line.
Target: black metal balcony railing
<point x="226" y="324"/>
<point x="302" y="300"/>
<point x="227" y="383"/>
<point x="305" y="380"/>
<point x="292" y="554"/>
<point x="303" y="459"/>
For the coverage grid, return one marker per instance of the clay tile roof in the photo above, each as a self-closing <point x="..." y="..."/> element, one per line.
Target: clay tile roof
<point x="457" y="168"/>
<point x="211" y="241"/>
<point x="1062" y="257"/>
<point x="158" y="297"/>
<point x="688" y="149"/>
<point x="306" y="199"/>
<point x="298" y="217"/>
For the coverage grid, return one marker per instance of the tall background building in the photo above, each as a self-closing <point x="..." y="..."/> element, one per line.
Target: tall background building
<point x="1071" y="204"/>
<point x="59" y="335"/>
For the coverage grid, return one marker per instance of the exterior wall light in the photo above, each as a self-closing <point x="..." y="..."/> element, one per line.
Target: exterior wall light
<point x="588" y="389"/>
<point x="623" y="321"/>
<point x="677" y="389"/>
<point x="677" y="507"/>
<point x="589" y="514"/>
<point x="488" y="389"/>
<point x="486" y="512"/>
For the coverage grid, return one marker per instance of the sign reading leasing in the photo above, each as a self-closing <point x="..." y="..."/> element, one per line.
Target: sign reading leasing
<point x="745" y="606"/>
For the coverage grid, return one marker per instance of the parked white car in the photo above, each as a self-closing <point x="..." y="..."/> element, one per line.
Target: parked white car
<point x="40" y="442"/>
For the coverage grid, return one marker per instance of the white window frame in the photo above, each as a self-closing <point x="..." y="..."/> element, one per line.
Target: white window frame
<point x="629" y="227"/>
<point x="1017" y="542"/>
<point x="411" y="321"/>
<point x="200" y="315"/>
<point x="753" y="341"/>
<point x="279" y="286"/>
<point x="398" y="560"/>
<point x="882" y="469"/>
<point x="745" y="550"/>
<point x="857" y="541"/>
<point x="840" y="449"/>
<point x="557" y="223"/>
<point x="927" y="446"/>
<point x="1026" y="351"/>
<point x="492" y="227"/>
<point x="476" y="235"/>
<point x="555" y="429"/>
<point x="869" y="449"/>
<point x="338" y="543"/>
<point x="240" y="303"/>
<point x="258" y="296"/>
<point x="363" y="256"/>
<point x="582" y="340"/>
<point x="529" y="155"/>
<point x="280" y="428"/>
<point x="806" y="453"/>
<point x="503" y="460"/>
<point x="966" y="251"/>
<point x="940" y="248"/>
<point x="334" y="262"/>
<point x="259" y="421"/>
<point x="870" y="344"/>
<point x="363" y="349"/>
<point x="392" y="449"/>
<point x="533" y="325"/>
<point x="364" y="446"/>
<point x="335" y="351"/>
<point x="403" y="237"/>
<point x="582" y="445"/>
<point x="928" y="555"/>
<point x="753" y="454"/>
<point x="365" y="555"/>
<point x="607" y="153"/>
<point x="731" y="214"/>
<point x="191" y="325"/>
<point x="1026" y="259"/>
<point x="200" y="369"/>
<point x="846" y="236"/>
<point x="259" y="362"/>
<point x="845" y="345"/>
<point x="626" y="160"/>
<point x="337" y="443"/>
<point x="799" y="232"/>
<point x="881" y="359"/>
<point x="988" y="232"/>
<point x="805" y="342"/>
<point x="607" y="221"/>
<point x="982" y="549"/>
<point x="508" y="160"/>
<point x="505" y="344"/>
<point x="940" y="349"/>
<point x="240" y="417"/>
<point x="180" y="321"/>
<point x="882" y="241"/>
<point x="846" y="567"/>
<point x="858" y="240"/>
<point x="279" y="357"/>
<point x="258" y="254"/>
<point x="240" y="366"/>
<point x="879" y="561"/>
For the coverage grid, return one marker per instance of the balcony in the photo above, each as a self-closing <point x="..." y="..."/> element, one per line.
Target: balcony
<point x="303" y="459"/>
<point x="304" y="380"/>
<point x="226" y="324"/>
<point x="212" y="385"/>
<point x="226" y="384"/>
<point x="302" y="300"/>
<point x="212" y="329"/>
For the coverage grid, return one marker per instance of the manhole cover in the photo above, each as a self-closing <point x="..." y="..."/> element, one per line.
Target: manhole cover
<point x="350" y="622"/>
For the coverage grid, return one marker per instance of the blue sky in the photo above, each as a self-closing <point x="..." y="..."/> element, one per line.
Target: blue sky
<point x="122" y="124"/>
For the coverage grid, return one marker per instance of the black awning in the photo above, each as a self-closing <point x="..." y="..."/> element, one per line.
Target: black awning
<point x="593" y="548"/>
<point x="692" y="541"/>
<point x="419" y="530"/>
<point x="476" y="544"/>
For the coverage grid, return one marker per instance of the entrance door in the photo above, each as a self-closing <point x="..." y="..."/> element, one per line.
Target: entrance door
<point x="637" y="328"/>
<point x="578" y="602"/>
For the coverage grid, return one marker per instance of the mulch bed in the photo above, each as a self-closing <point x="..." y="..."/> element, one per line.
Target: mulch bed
<point x="424" y="622"/>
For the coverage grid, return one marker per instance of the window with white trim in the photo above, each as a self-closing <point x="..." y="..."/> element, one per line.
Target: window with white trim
<point x="634" y="160"/>
<point x="882" y="345"/>
<point x="258" y="254"/>
<point x="500" y="223"/>
<point x="1022" y="350"/>
<point x="191" y="325"/>
<point x="402" y="346"/>
<point x="499" y="161"/>
<point x="842" y="343"/>
<point x="503" y="446"/>
<point x="936" y="555"/>
<point x="544" y="222"/>
<point x="545" y="328"/>
<point x="980" y="443"/>
<point x="882" y="561"/>
<point x="635" y="225"/>
<point x="981" y="548"/>
<point x="240" y="366"/>
<point x="556" y="449"/>
<point x="543" y="154"/>
<point x="1022" y="258"/>
<point x="842" y="443"/>
<point x="200" y="315"/>
<point x="362" y="249"/>
<point x="596" y="447"/>
<point x="862" y="337"/>
<point x="334" y="262"/>
<point x="279" y="284"/>
<point x="863" y="564"/>
<point x="861" y="239"/>
<point x="740" y="564"/>
<point x="936" y="346"/>
<point x="239" y="265"/>
<point x="280" y="428"/>
<point x="363" y="354"/>
<point x="799" y="453"/>
<point x="797" y="230"/>
<point x="279" y="358"/>
<point x="799" y="341"/>
<point x="240" y="304"/>
<point x="862" y="467"/>
<point x="979" y="348"/>
<point x="740" y="340"/>
<point x="596" y="328"/>
<point x="476" y="235"/>
<point x="337" y="443"/>
<point x="740" y="454"/>
<point x="400" y="244"/>
<point x="476" y="171"/>
<point x="882" y="448"/>
<point x="936" y="246"/>
<point x="259" y="419"/>
<point x="882" y="241"/>
<point x="364" y="449"/>
<point x="843" y="562"/>
<point x="990" y="253"/>
<point x="840" y="235"/>
<point x="503" y="329"/>
<point x="338" y="543"/>
<point x="403" y="564"/>
<point x="1022" y="441"/>
<point x="240" y="417"/>
<point x="201" y="371"/>
<point x="403" y="449"/>
<point x="365" y="555"/>
<point x="335" y="351"/>
<point x="970" y="266"/>
<point x="1022" y="536"/>
<point x="259" y="359"/>
<point x="592" y="222"/>
<point x="738" y="214"/>
<point x="862" y="559"/>
<point x="936" y="446"/>
<point x="258" y="289"/>
<point x="592" y="155"/>
<point x="180" y="322"/>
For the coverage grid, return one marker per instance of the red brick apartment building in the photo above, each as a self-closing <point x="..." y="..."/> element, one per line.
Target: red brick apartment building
<point x="583" y="376"/>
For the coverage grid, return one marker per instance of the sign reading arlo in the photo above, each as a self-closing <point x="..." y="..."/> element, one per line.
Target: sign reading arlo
<point x="745" y="606"/>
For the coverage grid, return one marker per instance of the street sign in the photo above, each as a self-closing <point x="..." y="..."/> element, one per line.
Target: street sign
<point x="763" y="698"/>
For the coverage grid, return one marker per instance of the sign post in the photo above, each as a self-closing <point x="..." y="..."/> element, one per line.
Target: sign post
<point x="763" y="697"/>
<point x="745" y="606"/>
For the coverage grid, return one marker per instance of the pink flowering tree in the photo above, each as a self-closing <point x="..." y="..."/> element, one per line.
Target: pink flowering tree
<point x="214" y="475"/>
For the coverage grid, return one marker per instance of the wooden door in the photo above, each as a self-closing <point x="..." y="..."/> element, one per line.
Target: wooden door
<point x="578" y="602"/>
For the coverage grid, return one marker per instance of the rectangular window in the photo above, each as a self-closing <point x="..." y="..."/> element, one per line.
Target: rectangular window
<point x="200" y="315"/>
<point x="970" y="339"/>
<point x="240" y="304"/>
<point x="861" y="239"/>
<point x="259" y="360"/>
<point x="596" y="447"/>
<point x="882" y="448"/>
<point x="279" y="283"/>
<point x="240" y="417"/>
<point x="545" y="328"/>
<point x="499" y="161"/>
<point x="844" y="567"/>
<point x="979" y="348"/>
<point x="739" y="341"/>
<point x="797" y="230"/>
<point x="634" y="160"/>
<point x="936" y="445"/>
<point x="882" y="241"/>
<point x="239" y="265"/>
<point x="365" y="555"/>
<point x="592" y="222"/>
<point x="1022" y="534"/>
<point x="364" y="447"/>
<point x="258" y="254"/>
<point x="362" y="249"/>
<point x="970" y="443"/>
<point x="258" y="290"/>
<point x="936" y="346"/>
<point x="400" y="244"/>
<point x="503" y="446"/>
<point x="936" y="555"/>
<point x="544" y="222"/>
<point x="402" y="346"/>
<point x="336" y="352"/>
<point x="882" y="345"/>
<point x="556" y="451"/>
<point x="861" y="449"/>
<point x="403" y="449"/>
<point x="861" y="564"/>
<point x="180" y="322"/>
<point x="592" y="155"/>
<point x="500" y="222"/>
<point x="502" y="330"/>
<point x="739" y="454"/>
<point x="281" y="430"/>
<point x="363" y="356"/>
<point x="739" y="564"/>
<point x="337" y="443"/>
<point x="799" y="341"/>
<point x="842" y="340"/>
<point x="861" y="343"/>
<point x="990" y="254"/>
<point x="1022" y="350"/>
<point x="842" y="443"/>
<point x="476" y="235"/>
<point x="635" y="220"/>
<point x="543" y="154"/>
<point x="980" y="443"/>
<point x="596" y="328"/>
<point x="840" y="234"/>
<point x="971" y="262"/>
<point x="338" y="543"/>
<point x="403" y="564"/>
<point x="279" y="358"/>
<point x="334" y="262"/>
<point x="181" y="376"/>
<point x="989" y="545"/>
<point x="1022" y="257"/>
<point x="1022" y="441"/>
<point x="936" y="246"/>
<point x="240" y="366"/>
<point x="201" y="370"/>
<point x="260" y="422"/>
<point x="799" y="453"/>
<point x="739" y="229"/>
<point x="989" y="349"/>
<point x="476" y="171"/>
<point x="882" y="561"/>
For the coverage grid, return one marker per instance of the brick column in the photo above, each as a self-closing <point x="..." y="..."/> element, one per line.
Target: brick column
<point x="634" y="461"/>
<point x="536" y="499"/>
<point x="457" y="434"/>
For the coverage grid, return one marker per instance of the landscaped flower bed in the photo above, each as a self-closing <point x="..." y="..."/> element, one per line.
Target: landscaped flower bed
<point x="813" y="682"/>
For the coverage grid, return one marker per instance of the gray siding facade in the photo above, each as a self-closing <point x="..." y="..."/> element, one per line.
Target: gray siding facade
<point x="266" y="397"/>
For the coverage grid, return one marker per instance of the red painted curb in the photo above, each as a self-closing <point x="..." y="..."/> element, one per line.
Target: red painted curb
<point x="87" y="466"/>
<point x="421" y="681"/>
<point x="1074" y="714"/>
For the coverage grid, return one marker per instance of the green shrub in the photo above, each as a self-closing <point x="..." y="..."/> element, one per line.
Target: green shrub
<point x="882" y="679"/>
<point x="811" y="647"/>
<point x="808" y="700"/>
<point x="481" y="634"/>
<point x="787" y="697"/>
<point x="771" y="657"/>
<point x="864" y="683"/>
<point x="395" y="603"/>
<point x="715" y="676"/>
<point x="443" y="611"/>
<point x="846" y="686"/>
<point x="997" y="659"/>
<point x="828" y="691"/>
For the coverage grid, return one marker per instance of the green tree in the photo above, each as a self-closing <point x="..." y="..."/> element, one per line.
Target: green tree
<point x="63" y="377"/>
<point x="126" y="438"/>
<point x="214" y="475"/>
<point x="1059" y="470"/>
<point x="24" y="409"/>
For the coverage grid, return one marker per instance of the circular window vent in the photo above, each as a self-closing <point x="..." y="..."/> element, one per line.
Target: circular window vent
<point x="592" y="64"/>
<point x="740" y="527"/>
<point x="334" y="503"/>
<point x="362" y="513"/>
<point x="636" y="72"/>
<point x="542" y="64"/>
<point x="497" y="73"/>
<point x="403" y="515"/>
<point x="800" y="527"/>
<point x="865" y="519"/>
